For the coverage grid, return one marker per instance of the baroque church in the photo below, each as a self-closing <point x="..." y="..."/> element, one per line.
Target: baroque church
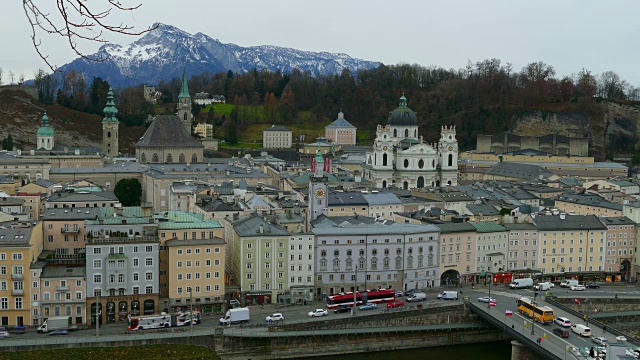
<point x="401" y="159"/>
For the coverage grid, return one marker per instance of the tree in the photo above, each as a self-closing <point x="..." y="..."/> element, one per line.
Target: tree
<point x="7" y="143"/>
<point x="128" y="192"/>
<point x="78" y="22"/>
<point x="210" y="115"/>
<point x="232" y="127"/>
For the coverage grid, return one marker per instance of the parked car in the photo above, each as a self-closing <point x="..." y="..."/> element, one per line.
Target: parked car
<point x="593" y="286"/>
<point x="318" y="312"/>
<point x="562" y="321"/>
<point x="275" y="317"/>
<point x="59" y="332"/>
<point x="569" y="283"/>
<point x="563" y="333"/>
<point x="399" y="293"/>
<point x="4" y="334"/>
<point x="486" y="299"/>
<point x="395" y="304"/>
<point x="599" y="340"/>
<point x="578" y="287"/>
<point x="342" y="309"/>
<point x="369" y="306"/>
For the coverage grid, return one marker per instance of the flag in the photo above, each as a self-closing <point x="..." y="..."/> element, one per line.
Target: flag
<point x="492" y="303"/>
<point x="577" y="301"/>
<point x="313" y="165"/>
<point x="327" y="165"/>
<point x="508" y="313"/>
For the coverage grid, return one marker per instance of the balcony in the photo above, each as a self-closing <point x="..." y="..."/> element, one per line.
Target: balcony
<point x="122" y="240"/>
<point x="17" y="276"/>
<point x="70" y="231"/>
<point x="62" y="288"/>
<point x="16" y="292"/>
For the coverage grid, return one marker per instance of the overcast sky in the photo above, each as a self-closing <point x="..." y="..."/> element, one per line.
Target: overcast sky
<point x="570" y="35"/>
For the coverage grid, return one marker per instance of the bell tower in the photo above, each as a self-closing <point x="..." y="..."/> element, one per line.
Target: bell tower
<point x="318" y="189"/>
<point x="184" y="103"/>
<point x="110" y="126"/>
<point x="45" y="135"/>
<point x="448" y="155"/>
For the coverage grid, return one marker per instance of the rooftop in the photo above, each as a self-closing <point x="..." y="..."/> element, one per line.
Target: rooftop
<point x="568" y="222"/>
<point x="167" y="130"/>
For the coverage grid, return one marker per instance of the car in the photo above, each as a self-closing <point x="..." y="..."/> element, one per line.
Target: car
<point x="578" y="288"/>
<point x="318" y="312"/>
<point x="399" y="293"/>
<point x="563" y="333"/>
<point x="592" y="286"/>
<point x="562" y="321"/>
<point x="599" y="340"/>
<point x="486" y="299"/>
<point x="369" y="306"/>
<point x="395" y="304"/>
<point x="411" y="292"/>
<point x="342" y="309"/>
<point x="59" y="332"/>
<point x="4" y="334"/>
<point x="275" y="317"/>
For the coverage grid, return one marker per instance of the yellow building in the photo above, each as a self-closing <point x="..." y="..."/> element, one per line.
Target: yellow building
<point x="64" y="230"/>
<point x="571" y="243"/>
<point x="19" y="248"/>
<point x="204" y="130"/>
<point x="585" y="204"/>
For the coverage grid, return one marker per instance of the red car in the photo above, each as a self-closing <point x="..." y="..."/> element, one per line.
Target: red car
<point x="395" y="304"/>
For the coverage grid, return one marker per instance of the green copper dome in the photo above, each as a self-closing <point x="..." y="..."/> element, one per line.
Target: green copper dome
<point x="402" y="115"/>
<point x="110" y="110"/>
<point x="44" y="129"/>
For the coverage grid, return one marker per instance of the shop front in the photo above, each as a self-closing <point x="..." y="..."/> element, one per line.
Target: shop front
<point x="116" y="309"/>
<point x="257" y="297"/>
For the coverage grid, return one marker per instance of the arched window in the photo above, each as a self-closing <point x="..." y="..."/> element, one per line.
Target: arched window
<point x="406" y="133"/>
<point x="386" y="252"/>
<point x="433" y="164"/>
<point x="374" y="252"/>
<point x="369" y="159"/>
<point x="108" y="134"/>
<point x="323" y="264"/>
<point x="361" y="252"/>
<point x="415" y="133"/>
<point x="336" y="264"/>
<point x="348" y="252"/>
<point x="385" y="263"/>
<point x="169" y="158"/>
<point x="384" y="159"/>
<point x="143" y="158"/>
<point x="410" y="262"/>
<point x="410" y="250"/>
<point x="420" y="250"/>
<point x="154" y="158"/>
<point x="194" y="158"/>
<point x="336" y="253"/>
<point x="420" y="163"/>
<point x="398" y="251"/>
<point x="398" y="262"/>
<point x="450" y="162"/>
<point x="184" y="116"/>
<point x="420" y="261"/>
<point x="384" y="184"/>
<point x="406" y="163"/>
<point x="323" y="253"/>
<point x="395" y="133"/>
<point x="181" y="158"/>
<point x="374" y="263"/>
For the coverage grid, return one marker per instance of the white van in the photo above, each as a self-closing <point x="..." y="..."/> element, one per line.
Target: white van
<point x="569" y="283"/>
<point x="448" y="295"/>
<point x="544" y="286"/>
<point x="419" y="296"/>
<point x="581" y="330"/>
<point x="521" y="283"/>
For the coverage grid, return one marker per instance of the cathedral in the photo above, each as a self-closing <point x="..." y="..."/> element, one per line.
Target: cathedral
<point x="401" y="159"/>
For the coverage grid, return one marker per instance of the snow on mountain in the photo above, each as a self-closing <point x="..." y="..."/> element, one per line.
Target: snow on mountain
<point x="159" y="55"/>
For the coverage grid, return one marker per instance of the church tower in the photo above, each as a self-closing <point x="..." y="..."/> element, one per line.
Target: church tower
<point x="318" y="189"/>
<point x="44" y="136"/>
<point x="184" y="103"/>
<point x="448" y="151"/>
<point x="110" y="127"/>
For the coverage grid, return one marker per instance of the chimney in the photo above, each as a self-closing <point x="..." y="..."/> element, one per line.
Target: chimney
<point x="261" y="230"/>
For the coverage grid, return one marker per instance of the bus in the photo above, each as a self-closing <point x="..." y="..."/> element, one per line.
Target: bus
<point x="370" y="296"/>
<point x="163" y="320"/>
<point x="540" y="313"/>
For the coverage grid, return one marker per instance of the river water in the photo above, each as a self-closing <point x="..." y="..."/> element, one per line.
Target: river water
<point x="486" y="351"/>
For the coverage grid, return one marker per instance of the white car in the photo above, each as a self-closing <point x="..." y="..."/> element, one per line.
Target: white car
<point x="4" y="334"/>
<point x="275" y="317"/>
<point x="318" y="312"/>
<point x="562" y="321"/>
<point x="600" y="340"/>
<point x="578" y="288"/>
<point x="486" y="299"/>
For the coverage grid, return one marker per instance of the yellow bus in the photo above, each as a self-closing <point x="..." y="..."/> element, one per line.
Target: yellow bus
<point x="540" y="313"/>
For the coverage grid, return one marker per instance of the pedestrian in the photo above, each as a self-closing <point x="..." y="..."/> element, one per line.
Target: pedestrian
<point x="512" y="327"/>
<point x="592" y="353"/>
<point x="604" y="328"/>
<point x="538" y="341"/>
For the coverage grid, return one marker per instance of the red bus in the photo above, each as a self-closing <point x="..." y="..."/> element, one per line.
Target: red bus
<point x="372" y="296"/>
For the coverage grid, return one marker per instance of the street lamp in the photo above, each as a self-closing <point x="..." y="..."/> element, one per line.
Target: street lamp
<point x="97" y="315"/>
<point x="355" y="292"/>
<point x="490" y="281"/>
<point x="190" y="309"/>
<point x="533" y="314"/>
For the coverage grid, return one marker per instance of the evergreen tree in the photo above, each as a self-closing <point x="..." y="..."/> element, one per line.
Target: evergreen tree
<point x="128" y="192"/>
<point x="232" y="127"/>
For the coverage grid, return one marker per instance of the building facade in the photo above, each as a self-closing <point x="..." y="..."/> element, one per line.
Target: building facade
<point x="277" y="137"/>
<point x="110" y="126"/>
<point x="341" y="131"/>
<point x="621" y="244"/>
<point x="457" y="252"/>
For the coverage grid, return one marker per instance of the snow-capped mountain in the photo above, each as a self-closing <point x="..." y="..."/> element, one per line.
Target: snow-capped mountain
<point x="159" y="54"/>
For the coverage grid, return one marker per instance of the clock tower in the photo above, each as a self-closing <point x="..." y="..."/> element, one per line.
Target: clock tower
<point x="318" y="190"/>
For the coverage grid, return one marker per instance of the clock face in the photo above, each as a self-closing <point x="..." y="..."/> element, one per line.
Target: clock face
<point x="450" y="148"/>
<point x="319" y="193"/>
<point x="384" y="148"/>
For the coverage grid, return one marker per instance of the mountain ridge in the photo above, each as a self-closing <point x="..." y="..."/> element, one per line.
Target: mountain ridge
<point x="159" y="55"/>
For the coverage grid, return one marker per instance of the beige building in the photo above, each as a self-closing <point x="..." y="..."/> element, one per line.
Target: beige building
<point x="204" y="130"/>
<point x="581" y="204"/>
<point x="167" y="141"/>
<point x="523" y="247"/>
<point x="277" y="137"/>
<point x="621" y="236"/>
<point x="62" y="291"/>
<point x="550" y="143"/>
<point x="457" y="251"/>
<point x="19" y="248"/>
<point x="197" y="273"/>
<point x="64" y="231"/>
<point x="341" y="131"/>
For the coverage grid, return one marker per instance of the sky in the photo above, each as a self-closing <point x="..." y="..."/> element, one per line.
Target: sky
<point x="569" y="35"/>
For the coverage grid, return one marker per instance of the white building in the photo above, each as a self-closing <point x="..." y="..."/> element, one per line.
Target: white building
<point x="399" y="158"/>
<point x="277" y="137"/>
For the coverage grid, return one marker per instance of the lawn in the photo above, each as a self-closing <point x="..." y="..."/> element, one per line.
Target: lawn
<point x="145" y="352"/>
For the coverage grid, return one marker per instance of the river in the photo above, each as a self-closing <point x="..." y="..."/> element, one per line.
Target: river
<point x="487" y="351"/>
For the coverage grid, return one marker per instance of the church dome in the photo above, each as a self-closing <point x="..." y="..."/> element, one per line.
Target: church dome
<point x="402" y="115"/>
<point x="45" y="130"/>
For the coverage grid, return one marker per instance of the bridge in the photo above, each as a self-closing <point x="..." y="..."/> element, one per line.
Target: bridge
<point x="526" y="335"/>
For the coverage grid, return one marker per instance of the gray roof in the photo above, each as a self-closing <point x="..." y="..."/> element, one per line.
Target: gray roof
<point x="590" y="200"/>
<point x="340" y="123"/>
<point x="451" y="227"/>
<point x="71" y="213"/>
<point x="219" y="205"/>
<point x="377" y="228"/>
<point x="45" y="183"/>
<point x="11" y="201"/>
<point x="111" y="168"/>
<point x="251" y="227"/>
<point x="168" y="130"/>
<point x="568" y="222"/>
<point x="518" y="171"/>
<point x="277" y="128"/>
<point x="523" y="226"/>
<point x="324" y="220"/>
<point x="177" y="242"/>
<point x="61" y="271"/>
<point x="620" y="220"/>
<point x="83" y="196"/>
<point x="346" y="198"/>
<point x="383" y="198"/>
<point x="621" y="182"/>
<point x="15" y="236"/>
<point x="484" y="209"/>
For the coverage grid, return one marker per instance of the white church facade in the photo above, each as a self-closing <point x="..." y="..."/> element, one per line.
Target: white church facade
<point x="400" y="158"/>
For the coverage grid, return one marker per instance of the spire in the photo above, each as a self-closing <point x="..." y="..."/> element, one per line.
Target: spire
<point x="403" y="101"/>
<point x="110" y="110"/>
<point x="319" y="161"/>
<point x="45" y="120"/>
<point x="184" y="90"/>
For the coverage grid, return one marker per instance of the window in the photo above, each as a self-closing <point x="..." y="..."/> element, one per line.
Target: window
<point x="136" y="276"/>
<point x="96" y="250"/>
<point x="97" y="279"/>
<point x="149" y="276"/>
<point x="148" y="262"/>
<point x="136" y="262"/>
<point x="97" y="264"/>
<point x="18" y="303"/>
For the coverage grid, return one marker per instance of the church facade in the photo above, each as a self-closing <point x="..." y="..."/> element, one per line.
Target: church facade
<point x="400" y="158"/>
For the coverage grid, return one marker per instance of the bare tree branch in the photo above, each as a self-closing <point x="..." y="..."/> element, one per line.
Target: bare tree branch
<point x="76" y="21"/>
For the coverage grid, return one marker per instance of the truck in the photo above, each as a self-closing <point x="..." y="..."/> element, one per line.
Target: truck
<point x="56" y="323"/>
<point x="521" y="283"/>
<point x="236" y="315"/>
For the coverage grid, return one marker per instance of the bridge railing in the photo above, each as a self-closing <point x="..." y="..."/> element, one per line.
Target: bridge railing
<point x="593" y="321"/>
<point x="516" y="335"/>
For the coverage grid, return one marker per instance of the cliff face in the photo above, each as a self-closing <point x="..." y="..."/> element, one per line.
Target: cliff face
<point x="21" y="114"/>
